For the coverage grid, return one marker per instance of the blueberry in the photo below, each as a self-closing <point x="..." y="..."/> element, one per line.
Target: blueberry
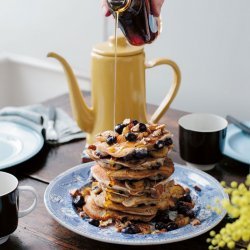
<point x="165" y="218"/>
<point x="111" y="140"/>
<point x="162" y="217"/>
<point x="134" y="122"/>
<point x="124" y="219"/>
<point x="95" y="223"/>
<point x="141" y="153"/>
<point x="183" y="210"/>
<point x="160" y="225"/>
<point x="99" y="154"/>
<point x="173" y="208"/>
<point x="198" y="189"/>
<point x="186" y="198"/>
<point x="119" y="128"/>
<point x="190" y="214"/>
<point x="78" y="201"/>
<point x="128" y="157"/>
<point x="142" y="127"/>
<point x="168" y="142"/>
<point x="159" y="144"/>
<point x="156" y="166"/>
<point x="95" y="188"/>
<point x="156" y="218"/>
<point x="130" y="137"/>
<point x="132" y="229"/>
<point x="171" y="226"/>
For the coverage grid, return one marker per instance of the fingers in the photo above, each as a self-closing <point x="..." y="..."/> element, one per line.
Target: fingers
<point x="156" y="7"/>
<point x="105" y="8"/>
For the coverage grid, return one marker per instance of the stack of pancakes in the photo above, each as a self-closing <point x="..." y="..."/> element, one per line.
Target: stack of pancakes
<point x="131" y="175"/>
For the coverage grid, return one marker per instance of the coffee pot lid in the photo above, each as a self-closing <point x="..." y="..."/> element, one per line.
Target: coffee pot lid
<point x="123" y="47"/>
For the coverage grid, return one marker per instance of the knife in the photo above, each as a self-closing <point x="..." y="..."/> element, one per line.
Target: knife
<point x="239" y="124"/>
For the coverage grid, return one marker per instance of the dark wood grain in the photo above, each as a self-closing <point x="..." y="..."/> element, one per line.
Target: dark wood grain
<point x="39" y="231"/>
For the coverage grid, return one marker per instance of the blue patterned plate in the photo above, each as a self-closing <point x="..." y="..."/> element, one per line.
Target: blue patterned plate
<point x="58" y="203"/>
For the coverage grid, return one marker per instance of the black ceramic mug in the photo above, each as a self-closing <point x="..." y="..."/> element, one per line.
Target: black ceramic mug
<point x="202" y="139"/>
<point x="9" y="204"/>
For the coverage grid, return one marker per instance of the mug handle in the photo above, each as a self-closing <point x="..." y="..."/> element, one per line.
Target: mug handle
<point x="32" y="207"/>
<point x="173" y="90"/>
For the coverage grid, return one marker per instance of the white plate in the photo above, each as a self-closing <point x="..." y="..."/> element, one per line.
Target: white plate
<point x="18" y="143"/>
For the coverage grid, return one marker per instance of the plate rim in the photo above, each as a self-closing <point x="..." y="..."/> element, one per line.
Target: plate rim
<point x="228" y="151"/>
<point x="38" y="148"/>
<point x="127" y="242"/>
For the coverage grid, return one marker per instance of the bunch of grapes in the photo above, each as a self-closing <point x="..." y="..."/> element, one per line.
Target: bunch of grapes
<point x="237" y="233"/>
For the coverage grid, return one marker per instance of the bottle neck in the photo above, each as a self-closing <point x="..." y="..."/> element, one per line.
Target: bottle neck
<point x="119" y="5"/>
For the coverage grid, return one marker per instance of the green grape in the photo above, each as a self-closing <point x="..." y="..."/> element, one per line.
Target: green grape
<point x="234" y="184"/>
<point x="235" y="199"/>
<point x="247" y="180"/>
<point x="235" y="192"/>
<point x="222" y="243"/>
<point x="217" y="237"/>
<point x="242" y="187"/>
<point x="238" y="207"/>
<point x="212" y="233"/>
<point x="214" y="242"/>
<point x="223" y="183"/>
<point x="226" y="238"/>
<point x="231" y="244"/>
<point x="245" y="236"/>
<point x="236" y="236"/>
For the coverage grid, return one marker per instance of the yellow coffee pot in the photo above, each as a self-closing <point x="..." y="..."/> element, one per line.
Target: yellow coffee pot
<point x="112" y="104"/>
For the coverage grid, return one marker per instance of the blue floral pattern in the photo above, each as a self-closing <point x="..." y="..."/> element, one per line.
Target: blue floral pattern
<point x="59" y="204"/>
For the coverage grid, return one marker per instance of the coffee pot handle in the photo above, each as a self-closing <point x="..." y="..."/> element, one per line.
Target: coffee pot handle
<point x="173" y="89"/>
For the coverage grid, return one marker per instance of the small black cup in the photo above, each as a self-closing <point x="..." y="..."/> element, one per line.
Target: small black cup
<point x="202" y="139"/>
<point x="9" y="202"/>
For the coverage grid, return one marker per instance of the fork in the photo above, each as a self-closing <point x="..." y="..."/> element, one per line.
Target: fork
<point x="51" y="134"/>
<point x="239" y="124"/>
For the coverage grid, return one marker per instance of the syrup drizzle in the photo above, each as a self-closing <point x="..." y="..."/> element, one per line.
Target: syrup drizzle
<point x="115" y="64"/>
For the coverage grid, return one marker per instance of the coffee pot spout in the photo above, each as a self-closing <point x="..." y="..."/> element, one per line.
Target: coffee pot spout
<point x="83" y="115"/>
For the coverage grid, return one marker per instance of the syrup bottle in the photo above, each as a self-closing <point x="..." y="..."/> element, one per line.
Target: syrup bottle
<point x="135" y="20"/>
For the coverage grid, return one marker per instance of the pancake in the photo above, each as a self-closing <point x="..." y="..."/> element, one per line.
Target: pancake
<point x="101" y="201"/>
<point x="103" y="150"/>
<point x="100" y="174"/>
<point x="98" y="213"/>
<point x="128" y="187"/>
<point x="132" y="201"/>
<point x="157" y="174"/>
<point x="106" y="176"/>
<point x="137" y="164"/>
<point x="147" y="140"/>
<point x="164" y="199"/>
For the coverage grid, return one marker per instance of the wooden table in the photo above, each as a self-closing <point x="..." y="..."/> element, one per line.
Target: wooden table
<point x="39" y="231"/>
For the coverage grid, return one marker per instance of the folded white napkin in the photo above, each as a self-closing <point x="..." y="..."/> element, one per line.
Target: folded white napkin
<point x="36" y="117"/>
